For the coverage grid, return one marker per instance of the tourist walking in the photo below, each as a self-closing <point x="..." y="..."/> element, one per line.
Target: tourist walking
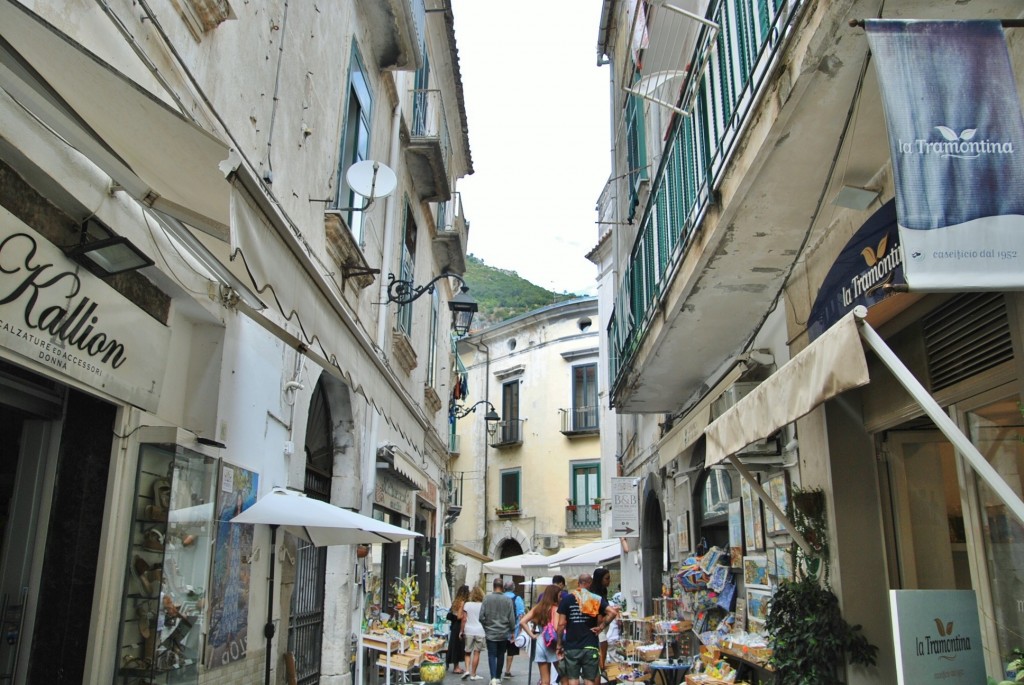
<point x="456" y="644"/>
<point x="582" y="615"/>
<point x="599" y="586"/>
<point x="512" y="650"/>
<point x="498" y="617"/>
<point x="473" y="633"/>
<point x="540" y="623"/>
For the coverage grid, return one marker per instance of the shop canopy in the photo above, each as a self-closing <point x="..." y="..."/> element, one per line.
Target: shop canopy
<point x="832" y="364"/>
<point x="546" y="566"/>
<point x="512" y="566"/>
<point x="586" y="563"/>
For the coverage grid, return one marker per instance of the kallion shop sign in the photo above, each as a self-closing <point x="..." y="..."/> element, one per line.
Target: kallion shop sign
<point x="62" y="317"/>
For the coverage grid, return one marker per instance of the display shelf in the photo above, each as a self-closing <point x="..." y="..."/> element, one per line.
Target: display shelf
<point x="162" y="625"/>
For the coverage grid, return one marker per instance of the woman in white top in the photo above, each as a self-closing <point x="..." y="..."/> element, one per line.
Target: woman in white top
<point x="473" y="633"/>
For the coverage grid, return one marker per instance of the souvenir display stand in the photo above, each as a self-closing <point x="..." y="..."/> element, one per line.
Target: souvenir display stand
<point x="653" y="648"/>
<point x="402" y="655"/>
<point x="705" y="595"/>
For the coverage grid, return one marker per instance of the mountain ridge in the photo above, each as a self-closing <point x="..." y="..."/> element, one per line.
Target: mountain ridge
<point x="502" y="294"/>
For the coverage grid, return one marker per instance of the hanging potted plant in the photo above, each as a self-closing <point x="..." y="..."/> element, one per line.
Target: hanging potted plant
<point x="596" y="506"/>
<point x="810" y="638"/>
<point x="569" y="504"/>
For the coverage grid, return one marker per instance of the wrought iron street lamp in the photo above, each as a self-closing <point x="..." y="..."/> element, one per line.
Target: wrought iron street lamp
<point x="491" y="417"/>
<point x="462" y="306"/>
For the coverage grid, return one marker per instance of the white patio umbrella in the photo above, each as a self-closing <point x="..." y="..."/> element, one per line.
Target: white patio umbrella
<point x="546" y="565"/>
<point x="320" y="523"/>
<point x="513" y="566"/>
<point x="534" y="582"/>
<point x="586" y="562"/>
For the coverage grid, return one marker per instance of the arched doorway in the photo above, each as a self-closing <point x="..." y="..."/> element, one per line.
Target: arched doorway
<point x="306" y="614"/>
<point x="511" y="548"/>
<point x="652" y="548"/>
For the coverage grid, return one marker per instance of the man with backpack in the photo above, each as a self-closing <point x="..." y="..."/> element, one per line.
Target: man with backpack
<point x="582" y="616"/>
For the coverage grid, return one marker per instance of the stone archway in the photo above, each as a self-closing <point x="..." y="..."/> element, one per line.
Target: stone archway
<point x="510" y="533"/>
<point x="652" y="544"/>
<point x="332" y="473"/>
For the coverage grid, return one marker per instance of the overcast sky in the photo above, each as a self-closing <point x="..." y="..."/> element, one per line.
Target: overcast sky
<point x="537" y="108"/>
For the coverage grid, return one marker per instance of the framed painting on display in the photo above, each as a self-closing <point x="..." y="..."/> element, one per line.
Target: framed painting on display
<point x="755" y="571"/>
<point x="753" y="521"/>
<point x="757" y="604"/>
<point x="777" y="488"/>
<point x="781" y="566"/>
<point x="735" y="534"/>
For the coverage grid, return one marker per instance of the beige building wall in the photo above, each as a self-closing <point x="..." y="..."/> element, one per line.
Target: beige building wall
<point x="535" y="354"/>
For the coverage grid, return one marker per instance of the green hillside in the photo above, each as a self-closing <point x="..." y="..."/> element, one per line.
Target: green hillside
<point x="504" y="294"/>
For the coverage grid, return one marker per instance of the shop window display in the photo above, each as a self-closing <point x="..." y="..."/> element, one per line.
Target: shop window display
<point x="168" y="564"/>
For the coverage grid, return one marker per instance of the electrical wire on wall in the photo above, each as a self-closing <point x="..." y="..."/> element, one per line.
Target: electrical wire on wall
<point x="268" y="174"/>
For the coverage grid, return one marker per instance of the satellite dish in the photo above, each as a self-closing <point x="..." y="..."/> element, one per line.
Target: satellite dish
<point x="371" y="179"/>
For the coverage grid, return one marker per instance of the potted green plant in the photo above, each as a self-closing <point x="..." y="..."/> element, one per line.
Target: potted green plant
<point x="507" y="510"/>
<point x="569" y="504"/>
<point x="810" y="638"/>
<point x="596" y="506"/>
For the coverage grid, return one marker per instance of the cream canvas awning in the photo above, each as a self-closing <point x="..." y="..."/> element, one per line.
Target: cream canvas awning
<point x="150" y="150"/>
<point x="691" y="427"/>
<point x="830" y="365"/>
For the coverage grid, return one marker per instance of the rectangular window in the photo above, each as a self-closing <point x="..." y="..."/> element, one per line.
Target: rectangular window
<point x="355" y="142"/>
<point x="435" y="301"/>
<point x="510" y="412"/>
<point x="408" y="267"/>
<point x="509" y="496"/>
<point x="586" y="483"/>
<point x="584" y="397"/>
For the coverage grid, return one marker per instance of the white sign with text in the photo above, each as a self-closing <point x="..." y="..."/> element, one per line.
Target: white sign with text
<point x="626" y="507"/>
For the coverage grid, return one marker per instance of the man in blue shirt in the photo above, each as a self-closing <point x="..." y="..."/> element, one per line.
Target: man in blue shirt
<point x="512" y="650"/>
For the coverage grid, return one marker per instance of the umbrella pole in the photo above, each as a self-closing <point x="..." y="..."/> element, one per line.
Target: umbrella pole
<point x="268" y="630"/>
<point x="533" y="643"/>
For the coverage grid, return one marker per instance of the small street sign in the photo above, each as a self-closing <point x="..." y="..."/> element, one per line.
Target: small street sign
<point x="626" y="507"/>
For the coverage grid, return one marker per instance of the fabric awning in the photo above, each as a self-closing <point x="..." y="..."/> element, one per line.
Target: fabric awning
<point x="512" y="566"/>
<point x="469" y="552"/>
<point x="588" y="561"/>
<point x="544" y="565"/>
<point x="154" y="153"/>
<point x="832" y="364"/>
<point x="692" y="425"/>
<point x="306" y="298"/>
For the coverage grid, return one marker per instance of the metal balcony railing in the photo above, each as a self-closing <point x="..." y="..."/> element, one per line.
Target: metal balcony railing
<point x="429" y="121"/>
<point x="508" y="433"/>
<point x="579" y="420"/>
<point x="583" y="517"/>
<point x="450" y="218"/>
<point x="721" y="100"/>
